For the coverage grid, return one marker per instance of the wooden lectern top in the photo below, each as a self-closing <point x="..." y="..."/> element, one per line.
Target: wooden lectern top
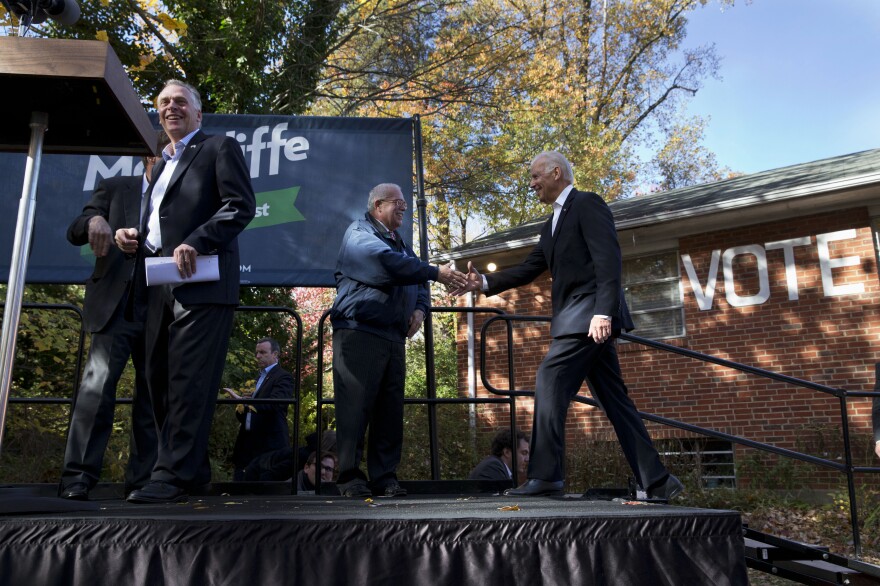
<point x="84" y="89"/>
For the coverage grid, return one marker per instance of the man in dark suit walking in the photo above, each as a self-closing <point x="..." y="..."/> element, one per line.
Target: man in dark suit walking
<point x="199" y="202"/>
<point x="115" y="203"/>
<point x="263" y="426"/>
<point x="579" y="246"/>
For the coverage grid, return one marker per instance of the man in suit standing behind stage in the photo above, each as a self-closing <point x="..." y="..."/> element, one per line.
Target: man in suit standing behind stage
<point x="263" y="426"/>
<point x="579" y="246"/>
<point x="200" y="201"/>
<point x="115" y="203"/>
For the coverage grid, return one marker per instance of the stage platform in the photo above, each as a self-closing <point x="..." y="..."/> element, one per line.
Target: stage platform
<point x="433" y="540"/>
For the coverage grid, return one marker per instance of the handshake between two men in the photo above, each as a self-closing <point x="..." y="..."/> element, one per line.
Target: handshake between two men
<point x="457" y="282"/>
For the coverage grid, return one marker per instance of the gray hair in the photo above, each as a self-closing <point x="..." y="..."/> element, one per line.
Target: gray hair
<point x="381" y="191"/>
<point x="556" y="159"/>
<point x="197" y="98"/>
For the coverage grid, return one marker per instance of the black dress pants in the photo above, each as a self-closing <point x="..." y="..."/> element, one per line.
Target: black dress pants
<point x="186" y="353"/>
<point x="95" y="402"/>
<point x="569" y="361"/>
<point x="368" y="381"/>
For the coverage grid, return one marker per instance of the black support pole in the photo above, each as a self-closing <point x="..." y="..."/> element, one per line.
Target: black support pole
<point x="430" y="378"/>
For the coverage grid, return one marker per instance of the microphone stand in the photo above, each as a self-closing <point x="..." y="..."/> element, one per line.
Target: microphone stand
<point x="18" y="265"/>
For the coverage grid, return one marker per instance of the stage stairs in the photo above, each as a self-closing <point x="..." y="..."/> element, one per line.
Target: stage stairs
<point x="806" y="564"/>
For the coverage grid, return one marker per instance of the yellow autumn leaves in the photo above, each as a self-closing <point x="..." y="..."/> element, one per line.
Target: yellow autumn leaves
<point x="168" y="26"/>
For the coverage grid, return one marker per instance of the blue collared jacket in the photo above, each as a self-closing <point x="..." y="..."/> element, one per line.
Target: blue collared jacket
<point x="377" y="287"/>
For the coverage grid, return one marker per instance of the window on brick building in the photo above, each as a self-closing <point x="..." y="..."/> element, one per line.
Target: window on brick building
<point x="652" y="285"/>
<point x="875" y="229"/>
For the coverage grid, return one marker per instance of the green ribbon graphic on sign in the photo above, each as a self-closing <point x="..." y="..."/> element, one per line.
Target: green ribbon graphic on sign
<point x="276" y="207"/>
<point x="273" y="208"/>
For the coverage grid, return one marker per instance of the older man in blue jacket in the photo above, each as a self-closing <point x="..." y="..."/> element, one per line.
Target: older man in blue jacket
<point x="382" y="299"/>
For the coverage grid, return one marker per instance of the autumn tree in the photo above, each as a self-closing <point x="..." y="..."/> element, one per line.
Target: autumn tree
<point x="497" y="81"/>
<point x="493" y="81"/>
<point x="441" y="61"/>
<point x="683" y="161"/>
<point x="255" y="57"/>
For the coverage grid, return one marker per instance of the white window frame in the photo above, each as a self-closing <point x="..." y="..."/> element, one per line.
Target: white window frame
<point x="676" y="279"/>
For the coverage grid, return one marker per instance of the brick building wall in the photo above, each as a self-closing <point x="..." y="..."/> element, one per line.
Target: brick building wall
<point x="764" y="312"/>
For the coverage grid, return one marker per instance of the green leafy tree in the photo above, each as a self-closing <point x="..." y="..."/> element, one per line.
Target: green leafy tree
<point x="494" y="81"/>
<point x="44" y="368"/>
<point x="256" y="56"/>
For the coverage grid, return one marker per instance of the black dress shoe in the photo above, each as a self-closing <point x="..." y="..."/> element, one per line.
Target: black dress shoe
<point x="667" y="491"/>
<point x="78" y="491"/>
<point x="393" y="489"/>
<point x="535" y="487"/>
<point x="356" y="488"/>
<point x="130" y="487"/>
<point x="157" y="492"/>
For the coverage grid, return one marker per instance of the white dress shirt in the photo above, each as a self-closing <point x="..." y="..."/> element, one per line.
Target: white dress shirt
<point x="263" y="373"/>
<point x="557" y="212"/>
<point x="171" y="155"/>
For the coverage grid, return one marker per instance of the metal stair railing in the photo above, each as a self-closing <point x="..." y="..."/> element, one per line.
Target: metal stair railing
<point x="847" y="467"/>
<point x="297" y="380"/>
<point x="431" y="400"/>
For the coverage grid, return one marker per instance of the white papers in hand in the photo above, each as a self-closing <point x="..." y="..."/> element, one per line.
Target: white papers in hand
<point x="162" y="270"/>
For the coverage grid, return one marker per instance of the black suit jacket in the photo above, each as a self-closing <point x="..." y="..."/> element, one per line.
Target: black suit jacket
<point x="269" y="430"/>
<point x="490" y="468"/>
<point x="118" y="200"/>
<point x="585" y="262"/>
<point x="209" y="201"/>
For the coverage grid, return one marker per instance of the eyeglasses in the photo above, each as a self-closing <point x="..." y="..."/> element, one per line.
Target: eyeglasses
<point x="328" y="469"/>
<point x="401" y="203"/>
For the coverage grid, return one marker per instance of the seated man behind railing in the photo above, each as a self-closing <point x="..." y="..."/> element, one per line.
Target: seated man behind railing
<point x="499" y="464"/>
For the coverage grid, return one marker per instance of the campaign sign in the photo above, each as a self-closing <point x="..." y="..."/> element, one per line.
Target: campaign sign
<point x="311" y="176"/>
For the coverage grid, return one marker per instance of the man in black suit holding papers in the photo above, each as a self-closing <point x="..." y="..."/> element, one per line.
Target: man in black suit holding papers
<point x="199" y="202"/>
